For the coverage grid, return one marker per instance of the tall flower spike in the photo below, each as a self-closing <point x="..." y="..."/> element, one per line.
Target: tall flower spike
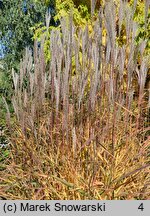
<point x="93" y="4"/>
<point x="121" y="14"/>
<point x="147" y="7"/>
<point x="48" y="18"/>
<point x="15" y="79"/>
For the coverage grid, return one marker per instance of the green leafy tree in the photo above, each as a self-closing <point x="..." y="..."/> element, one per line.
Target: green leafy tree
<point x="16" y="19"/>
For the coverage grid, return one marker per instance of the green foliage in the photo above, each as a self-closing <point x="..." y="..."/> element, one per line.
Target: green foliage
<point x="80" y="13"/>
<point x="143" y="32"/>
<point x="5" y="84"/>
<point x="16" y="19"/>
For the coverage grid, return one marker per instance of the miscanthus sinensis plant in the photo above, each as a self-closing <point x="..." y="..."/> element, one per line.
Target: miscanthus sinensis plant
<point x="82" y="121"/>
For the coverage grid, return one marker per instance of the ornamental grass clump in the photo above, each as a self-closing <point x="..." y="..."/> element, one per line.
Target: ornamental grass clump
<point x="80" y="129"/>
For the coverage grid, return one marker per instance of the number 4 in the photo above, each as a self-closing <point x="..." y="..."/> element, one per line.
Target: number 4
<point x="141" y="207"/>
